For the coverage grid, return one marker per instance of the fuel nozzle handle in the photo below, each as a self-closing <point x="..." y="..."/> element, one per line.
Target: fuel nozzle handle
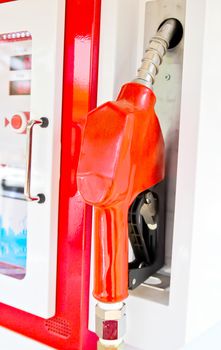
<point x="122" y="154"/>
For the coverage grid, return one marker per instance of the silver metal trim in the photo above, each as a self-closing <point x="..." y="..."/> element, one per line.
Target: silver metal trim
<point x="27" y="189"/>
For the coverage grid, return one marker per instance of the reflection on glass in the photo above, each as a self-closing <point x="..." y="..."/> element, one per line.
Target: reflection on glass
<point x="21" y="62"/>
<point x="15" y="90"/>
<point x="20" y="87"/>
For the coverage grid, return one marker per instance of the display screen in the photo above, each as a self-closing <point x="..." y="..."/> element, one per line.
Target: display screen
<point x="22" y="62"/>
<point x="20" y="87"/>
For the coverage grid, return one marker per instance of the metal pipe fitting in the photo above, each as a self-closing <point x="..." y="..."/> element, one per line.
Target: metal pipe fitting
<point x="110" y="325"/>
<point x="154" y="54"/>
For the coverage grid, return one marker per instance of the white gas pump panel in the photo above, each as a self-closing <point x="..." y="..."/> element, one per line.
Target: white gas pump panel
<point x="168" y="311"/>
<point x="31" y="67"/>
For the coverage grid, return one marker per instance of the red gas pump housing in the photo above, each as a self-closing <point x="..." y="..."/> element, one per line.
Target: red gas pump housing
<point x="68" y="329"/>
<point x="122" y="154"/>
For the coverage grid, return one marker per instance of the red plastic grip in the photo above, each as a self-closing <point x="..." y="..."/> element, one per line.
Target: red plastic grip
<point x="122" y="154"/>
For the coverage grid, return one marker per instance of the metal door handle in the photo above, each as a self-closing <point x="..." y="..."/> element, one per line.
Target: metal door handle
<point x="43" y="122"/>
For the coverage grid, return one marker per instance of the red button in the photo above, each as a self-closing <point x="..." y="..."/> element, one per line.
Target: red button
<point x="16" y="121"/>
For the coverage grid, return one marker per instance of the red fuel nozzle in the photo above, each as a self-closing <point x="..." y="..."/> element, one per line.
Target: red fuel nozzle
<point x="122" y="154"/>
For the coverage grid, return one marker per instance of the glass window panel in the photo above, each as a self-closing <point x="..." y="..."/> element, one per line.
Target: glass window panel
<point x="15" y="91"/>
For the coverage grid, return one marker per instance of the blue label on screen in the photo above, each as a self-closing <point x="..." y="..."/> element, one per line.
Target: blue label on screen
<point x="13" y="246"/>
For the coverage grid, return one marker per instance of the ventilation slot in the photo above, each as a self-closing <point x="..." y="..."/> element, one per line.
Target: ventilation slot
<point x="59" y="327"/>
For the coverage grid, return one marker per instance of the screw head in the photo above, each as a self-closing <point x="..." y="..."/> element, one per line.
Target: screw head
<point x="167" y="77"/>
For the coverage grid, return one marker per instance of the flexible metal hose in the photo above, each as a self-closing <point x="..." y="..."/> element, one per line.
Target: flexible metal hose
<point x="155" y="52"/>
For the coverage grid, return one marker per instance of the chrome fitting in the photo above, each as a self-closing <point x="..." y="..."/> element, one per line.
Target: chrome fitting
<point x="110" y="324"/>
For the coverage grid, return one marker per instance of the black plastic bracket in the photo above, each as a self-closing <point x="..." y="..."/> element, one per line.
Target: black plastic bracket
<point x="147" y="238"/>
